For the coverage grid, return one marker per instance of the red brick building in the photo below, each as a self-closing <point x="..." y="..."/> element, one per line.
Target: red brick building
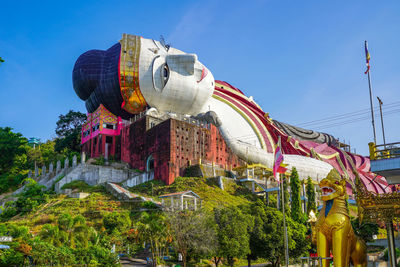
<point x="168" y="147"/>
<point x="165" y="147"/>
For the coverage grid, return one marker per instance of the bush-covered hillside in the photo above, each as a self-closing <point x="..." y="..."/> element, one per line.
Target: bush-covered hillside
<point x="54" y="229"/>
<point x="212" y="196"/>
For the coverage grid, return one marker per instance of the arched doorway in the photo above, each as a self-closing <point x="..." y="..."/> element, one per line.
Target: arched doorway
<point x="150" y="163"/>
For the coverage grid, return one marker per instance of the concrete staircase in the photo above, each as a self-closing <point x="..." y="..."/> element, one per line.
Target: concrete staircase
<point x="125" y="195"/>
<point x="95" y="175"/>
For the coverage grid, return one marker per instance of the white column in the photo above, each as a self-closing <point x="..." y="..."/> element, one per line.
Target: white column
<point x="181" y="202"/>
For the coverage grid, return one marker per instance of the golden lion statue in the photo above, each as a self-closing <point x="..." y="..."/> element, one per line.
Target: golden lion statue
<point x="333" y="231"/>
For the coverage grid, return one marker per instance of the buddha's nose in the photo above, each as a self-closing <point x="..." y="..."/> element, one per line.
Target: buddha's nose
<point x="183" y="64"/>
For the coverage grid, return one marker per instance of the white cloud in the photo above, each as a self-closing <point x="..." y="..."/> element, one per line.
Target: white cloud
<point x="193" y="24"/>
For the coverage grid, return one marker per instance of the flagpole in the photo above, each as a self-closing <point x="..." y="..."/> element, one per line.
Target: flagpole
<point x="383" y="128"/>
<point x="278" y="160"/>
<point x="284" y="222"/>
<point x="370" y="92"/>
<point x="372" y="107"/>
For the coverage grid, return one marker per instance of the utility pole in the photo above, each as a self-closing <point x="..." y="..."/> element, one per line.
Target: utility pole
<point x="284" y="221"/>
<point x="383" y="129"/>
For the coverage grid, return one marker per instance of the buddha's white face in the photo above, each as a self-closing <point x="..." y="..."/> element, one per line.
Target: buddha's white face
<point x="171" y="80"/>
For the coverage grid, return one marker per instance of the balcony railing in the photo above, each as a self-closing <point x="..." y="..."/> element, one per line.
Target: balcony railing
<point x="385" y="151"/>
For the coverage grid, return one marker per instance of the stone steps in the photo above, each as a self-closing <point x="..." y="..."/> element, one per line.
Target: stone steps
<point x="125" y="195"/>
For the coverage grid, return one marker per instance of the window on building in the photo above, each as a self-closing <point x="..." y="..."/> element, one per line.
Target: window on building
<point x="86" y="133"/>
<point x="96" y="127"/>
<point x="108" y="126"/>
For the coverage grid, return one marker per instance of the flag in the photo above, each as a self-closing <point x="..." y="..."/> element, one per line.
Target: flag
<point x="367" y="57"/>
<point x="279" y="167"/>
<point x="380" y="101"/>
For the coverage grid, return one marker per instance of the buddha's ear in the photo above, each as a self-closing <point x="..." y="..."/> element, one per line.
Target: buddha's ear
<point x="183" y="64"/>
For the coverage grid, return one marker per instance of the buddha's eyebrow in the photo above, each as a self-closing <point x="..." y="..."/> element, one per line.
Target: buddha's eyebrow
<point x="154" y="50"/>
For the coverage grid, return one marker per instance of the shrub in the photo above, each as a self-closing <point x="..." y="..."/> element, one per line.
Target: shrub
<point x="77" y="184"/>
<point x="99" y="161"/>
<point x="116" y="221"/>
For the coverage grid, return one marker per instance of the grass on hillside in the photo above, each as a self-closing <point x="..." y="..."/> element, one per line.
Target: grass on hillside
<point x="207" y="189"/>
<point x="93" y="208"/>
<point x="99" y="202"/>
<point x="82" y="186"/>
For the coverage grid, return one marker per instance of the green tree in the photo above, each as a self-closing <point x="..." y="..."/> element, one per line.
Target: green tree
<point x="80" y="238"/>
<point x="10" y="181"/>
<point x="12" y="145"/>
<point x="258" y="235"/>
<point x="267" y="238"/>
<point x="232" y="233"/>
<point x="68" y="131"/>
<point x="286" y="195"/>
<point x="32" y="196"/>
<point x="95" y="256"/>
<point x="73" y="231"/>
<point x="191" y="231"/>
<point x="11" y="257"/>
<point x="295" y="187"/>
<point x="310" y="196"/>
<point x="65" y="256"/>
<point x="50" y="233"/>
<point x="153" y="229"/>
<point x="44" y="253"/>
<point x="65" y="222"/>
<point x="116" y="221"/>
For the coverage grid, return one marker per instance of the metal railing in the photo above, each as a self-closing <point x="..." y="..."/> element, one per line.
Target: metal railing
<point x="385" y="151"/>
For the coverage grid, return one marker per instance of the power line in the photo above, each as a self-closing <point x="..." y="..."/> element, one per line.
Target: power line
<point x="355" y="120"/>
<point x="347" y="115"/>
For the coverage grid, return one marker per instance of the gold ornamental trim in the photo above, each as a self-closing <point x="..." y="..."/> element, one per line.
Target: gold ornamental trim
<point x="374" y="207"/>
<point x="134" y="101"/>
<point x="379" y="207"/>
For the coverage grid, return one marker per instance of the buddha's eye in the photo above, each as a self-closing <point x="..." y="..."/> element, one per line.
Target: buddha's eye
<point x="336" y="182"/>
<point x="165" y="74"/>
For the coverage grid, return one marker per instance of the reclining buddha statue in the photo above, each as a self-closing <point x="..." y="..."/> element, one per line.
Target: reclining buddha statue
<point x="138" y="74"/>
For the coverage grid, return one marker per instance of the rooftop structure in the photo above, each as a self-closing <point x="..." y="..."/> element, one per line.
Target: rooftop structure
<point x="99" y="133"/>
<point x="185" y="200"/>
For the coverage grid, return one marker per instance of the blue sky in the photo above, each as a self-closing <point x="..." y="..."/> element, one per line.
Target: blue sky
<point x="300" y="60"/>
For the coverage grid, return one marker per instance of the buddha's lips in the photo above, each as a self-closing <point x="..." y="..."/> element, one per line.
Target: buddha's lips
<point x="326" y="191"/>
<point x="204" y="73"/>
